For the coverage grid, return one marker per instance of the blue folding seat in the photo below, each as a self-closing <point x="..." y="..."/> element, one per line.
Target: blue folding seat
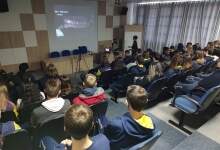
<point x="65" y="53"/>
<point x="54" y="54"/>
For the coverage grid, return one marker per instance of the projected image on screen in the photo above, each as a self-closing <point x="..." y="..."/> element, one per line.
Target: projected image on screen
<point x="67" y="17"/>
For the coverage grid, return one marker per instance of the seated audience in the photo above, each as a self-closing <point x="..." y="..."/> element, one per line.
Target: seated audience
<point x="211" y="48"/>
<point x="23" y="68"/>
<point x="128" y="58"/>
<point x="175" y="65"/>
<point x="217" y="48"/>
<point x="50" y="73"/>
<point x="78" y="122"/>
<point x="118" y="63"/>
<point x="139" y="69"/>
<point x="91" y="94"/>
<point x="54" y="105"/>
<point x="199" y="60"/>
<point x="154" y="72"/>
<point x="187" y="63"/>
<point x="134" y="126"/>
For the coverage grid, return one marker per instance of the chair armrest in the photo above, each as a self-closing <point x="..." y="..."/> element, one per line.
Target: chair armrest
<point x="192" y="100"/>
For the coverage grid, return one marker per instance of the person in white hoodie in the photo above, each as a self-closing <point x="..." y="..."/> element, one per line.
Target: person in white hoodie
<point x="54" y="106"/>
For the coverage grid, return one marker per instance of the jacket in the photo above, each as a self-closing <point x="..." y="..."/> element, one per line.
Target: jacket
<point x="90" y="96"/>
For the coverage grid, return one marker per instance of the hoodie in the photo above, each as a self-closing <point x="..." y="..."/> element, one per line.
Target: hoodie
<point x="49" y="110"/>
<point x="124" y="131"/>
<point x="90" y="96"/>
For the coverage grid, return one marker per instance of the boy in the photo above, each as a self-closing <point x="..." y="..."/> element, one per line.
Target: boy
<point x="134" y="126"/>
<point x="53" y="107"/>
<point x="78" y="121"/>
<point x="139" y="69"/>
<point x="91" y="94"/>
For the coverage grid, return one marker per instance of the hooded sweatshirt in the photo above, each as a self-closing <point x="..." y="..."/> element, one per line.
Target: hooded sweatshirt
<point x="49" y="110"/>
<point x="90" y="96"/>
<point x="124" y="131"/>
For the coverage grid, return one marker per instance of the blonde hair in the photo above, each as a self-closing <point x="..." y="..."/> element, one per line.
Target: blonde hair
<point x="3" y="96"/>
<point x="90" y="81"/>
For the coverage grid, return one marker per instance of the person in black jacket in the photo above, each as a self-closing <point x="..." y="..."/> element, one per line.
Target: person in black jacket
<point x="134" y="45"/>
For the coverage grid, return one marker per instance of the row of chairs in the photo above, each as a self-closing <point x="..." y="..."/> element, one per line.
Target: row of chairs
<point x="64" y="53"/>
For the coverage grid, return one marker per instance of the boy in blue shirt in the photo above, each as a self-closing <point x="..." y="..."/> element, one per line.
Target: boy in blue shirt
<point x="78" y="122"/>
<point x="134" y="126"/>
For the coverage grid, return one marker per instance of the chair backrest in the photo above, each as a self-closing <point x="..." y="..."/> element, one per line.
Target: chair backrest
<point x="209" y="97"/>
<point x="83" y="49"/>
<point x="155" y="88"/>
<point x="99" y="109"/>
<point x="106" y="78"/>
<point x="173" y="80"/>
<point x="54" y="54"/>
<point x="8" y="116"/>
<point x="19" y="140"/>
<point x="65" y="53"/>
<point x="148" y="143"/>
<point x="76" y="52"/>
<point x="53" y="128"/>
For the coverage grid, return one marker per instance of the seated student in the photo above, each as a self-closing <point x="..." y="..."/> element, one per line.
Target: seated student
<point x="128" y="58"/>
<point x="187" y="64"/>
<point x="217" y="48"/>
<point x="118" y="63"/>
<point x="78" y="122"/>
<point x="134" y="126"/>
<point x="204" y="84"/>
<point x="154" y="72"/>
<point x="139" y="69"/>
<point x="208" y="56"/>
<point x="50" y="73"/>
<point x="199" y="60"/>
<point x="175" y="66"/>
<point x="91" y="94"/>
<point x="53" y="106"/>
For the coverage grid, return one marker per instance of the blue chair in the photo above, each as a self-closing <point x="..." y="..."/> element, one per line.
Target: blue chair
<point x="83" y="49"/>
<point x="54" y="54"/>
<point x="76" y="52"/>
<point x="148" y="143"/>
<point x="65" y="53"/>
<point x="193" y="105"/>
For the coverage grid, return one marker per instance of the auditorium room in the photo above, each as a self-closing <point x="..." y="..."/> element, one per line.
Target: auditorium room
<point x="109" y="74"/>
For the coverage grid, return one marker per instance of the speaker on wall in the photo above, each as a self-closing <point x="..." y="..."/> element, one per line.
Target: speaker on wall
<point x="3" y="6"/>
<point x="124" y="10"/>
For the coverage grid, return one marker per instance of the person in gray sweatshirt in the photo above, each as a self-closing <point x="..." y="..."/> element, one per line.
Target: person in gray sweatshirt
<point x="54" y="106"/>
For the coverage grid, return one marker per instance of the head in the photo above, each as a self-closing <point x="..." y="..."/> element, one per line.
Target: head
<point x="116" y="55"/>
<point x="180" y="47"/>
<point x="176" y="61"/>
<point x="90" y="81"/>
<point x="137" y="98"/>
<point x="218" y="64"/>
<point x="140" y="60"/>
<point x="4" y="96"/>
<point x="210" y="47"/>
<point x="127" y="53"/>
<point x="146" y="55"/>
<point x="23" y="67"/>
<point x="217" y="44"/>
<point x="187" y="63"/>
<point x="52" y="88"/>
<point x="51" y="71"/>
<point x="154" y="70"/>
<point x="135" y="37"/>
<point x="166" y="51"/>
<point x="78" y="121"/>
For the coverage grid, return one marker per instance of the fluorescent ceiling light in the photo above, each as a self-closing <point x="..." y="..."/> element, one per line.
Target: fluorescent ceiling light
<point x="169" y="1"/>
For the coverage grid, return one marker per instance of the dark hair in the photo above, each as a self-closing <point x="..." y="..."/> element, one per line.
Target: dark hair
<point x="78" y="121"/>
<point x="23" y="67"/>
<point x="176" y="60"/>
<point x="145" y="55"/>
<point x="127" y="51"/>
<point x="52" y="87"/>
<point x="189" y="43"/>
<point x="135" y="37"/>
<point x="51" y="71"/>
<point x="137" y="97"/>
<point x="140" y="59"/>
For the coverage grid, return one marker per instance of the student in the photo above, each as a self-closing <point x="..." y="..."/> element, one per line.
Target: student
<point x="118" y="63"/>
<point x="54" y="105"/>
<point x="91" y="94"/>
<point x="134" y="45"/>
<point x="127" y="58"/>
<point x="50" y="73"/>
<point x="175" y="65"/>
<point x="134" y="126"/>
<point x="199" y="60"/>
<point x="78" y="122"/>
<point x="139" y="69"/>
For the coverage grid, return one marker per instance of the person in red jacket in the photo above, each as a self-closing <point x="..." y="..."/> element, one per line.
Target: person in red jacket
<point x="91" y="94"/>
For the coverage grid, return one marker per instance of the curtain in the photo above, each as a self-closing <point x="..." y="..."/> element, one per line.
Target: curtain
<point x="172" y="23"/>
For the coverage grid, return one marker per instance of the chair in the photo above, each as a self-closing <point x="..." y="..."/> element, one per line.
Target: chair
<point x="148" y="143"/>
<point x="155" y="88"/>
<point x="106" y="78"/>
<point x="99" y="111"/>
<point x="53" y="128"/>
<point x="65" y="53"/>
<point x="172" y="81"/>
<point x="54" y="54"/>
<point x="83" y="49"/>
<point x="19" y="140"/>
<point x="193" y="105"/>
<point x="76" y="52"/>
